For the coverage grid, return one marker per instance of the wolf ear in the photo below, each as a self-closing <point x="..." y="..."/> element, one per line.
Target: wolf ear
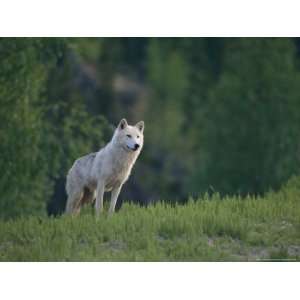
<point x="123" y="124"/>
<point x="140" y="125"/>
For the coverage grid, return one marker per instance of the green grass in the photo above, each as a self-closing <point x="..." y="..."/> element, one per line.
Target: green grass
<point x="210" y="229"/>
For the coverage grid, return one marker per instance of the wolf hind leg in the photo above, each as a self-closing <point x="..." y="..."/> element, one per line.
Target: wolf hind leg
<point x="74" y="203"/>
<point x="88" y="196"/>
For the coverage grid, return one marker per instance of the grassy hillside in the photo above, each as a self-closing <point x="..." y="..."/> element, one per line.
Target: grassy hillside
<point x="212" y="229"/>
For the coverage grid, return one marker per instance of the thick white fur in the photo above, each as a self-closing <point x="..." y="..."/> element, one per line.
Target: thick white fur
<point x="105" y="170"/>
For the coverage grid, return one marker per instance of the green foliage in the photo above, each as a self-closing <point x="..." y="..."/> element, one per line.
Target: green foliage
<point x="209" y="229"/>
<point x="249" y="134"/>
<point x="168" y="80"/>
<point x="228" y="114"/>
<point x="24" y="67"/>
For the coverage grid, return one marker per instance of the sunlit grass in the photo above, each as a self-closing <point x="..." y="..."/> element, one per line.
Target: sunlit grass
<point x="209" y="229"/>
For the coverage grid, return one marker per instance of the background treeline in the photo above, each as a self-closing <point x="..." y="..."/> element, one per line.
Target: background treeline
<point x="221" y="114"/>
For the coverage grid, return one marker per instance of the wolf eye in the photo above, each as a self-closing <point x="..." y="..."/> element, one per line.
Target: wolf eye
<point x="138" y="137"/>
<point x="128" y="135"/>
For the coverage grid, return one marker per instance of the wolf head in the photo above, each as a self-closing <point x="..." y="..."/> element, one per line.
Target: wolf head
<point x="130" y="138"/>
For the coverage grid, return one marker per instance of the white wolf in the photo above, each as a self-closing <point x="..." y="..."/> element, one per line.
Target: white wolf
<point x="105" y="170"/>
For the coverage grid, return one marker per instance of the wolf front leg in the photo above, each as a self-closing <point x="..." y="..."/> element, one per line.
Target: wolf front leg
<point x="114" y="197"/>
<point x="99" y="198"/>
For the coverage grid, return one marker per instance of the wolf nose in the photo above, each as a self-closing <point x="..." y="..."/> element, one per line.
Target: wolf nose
<point x="136" y="146"/>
